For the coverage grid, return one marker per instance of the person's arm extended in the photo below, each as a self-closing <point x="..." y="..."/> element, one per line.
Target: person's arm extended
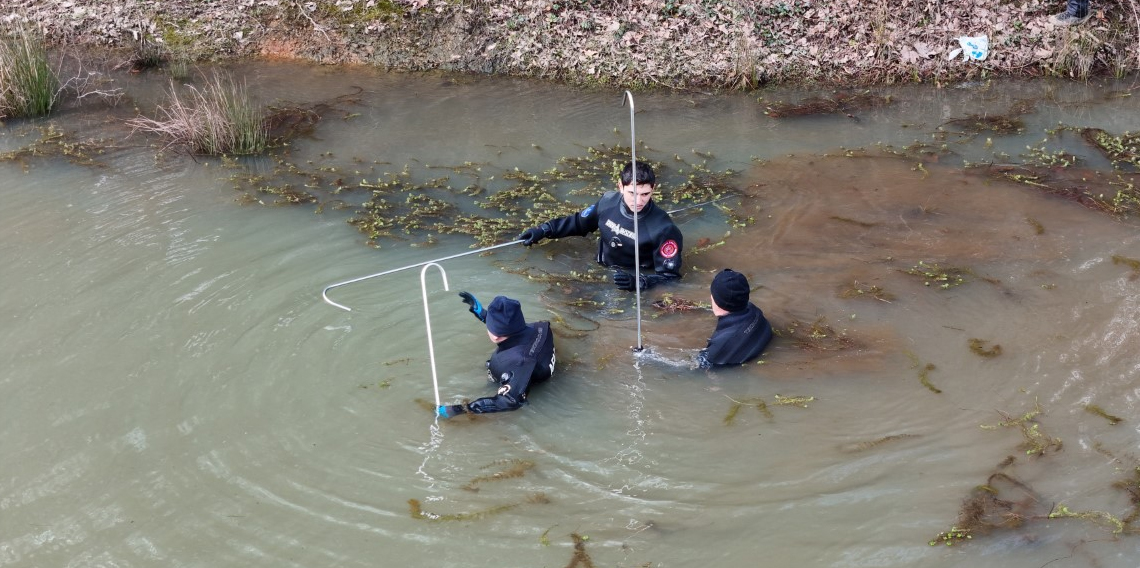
<point x="579" y="224"/>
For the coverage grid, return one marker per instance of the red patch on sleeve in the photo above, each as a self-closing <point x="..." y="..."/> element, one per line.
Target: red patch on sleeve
<point x="669" y="249"/>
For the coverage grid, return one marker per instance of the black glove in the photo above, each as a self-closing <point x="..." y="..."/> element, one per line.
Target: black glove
<point x="474" y="306"/>
<point x="624" y="281"/>
<point x="532" y="236"/>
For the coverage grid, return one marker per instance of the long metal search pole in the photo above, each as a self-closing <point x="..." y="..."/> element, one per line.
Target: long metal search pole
<point x="636" y="238"/>
<point x="427" y="323"/>
<point x="324" y="293"/>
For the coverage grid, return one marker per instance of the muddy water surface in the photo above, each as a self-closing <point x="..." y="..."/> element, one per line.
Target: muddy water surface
<point x="175" y="393"/>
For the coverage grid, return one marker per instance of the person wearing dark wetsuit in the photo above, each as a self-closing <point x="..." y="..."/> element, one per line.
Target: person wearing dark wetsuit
<point x="659" y="240"/>
<point x="524" y="356"/>
<point x="742" y="332"/>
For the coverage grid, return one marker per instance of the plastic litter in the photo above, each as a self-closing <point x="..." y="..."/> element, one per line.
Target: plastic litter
<point x="973" y="48"/>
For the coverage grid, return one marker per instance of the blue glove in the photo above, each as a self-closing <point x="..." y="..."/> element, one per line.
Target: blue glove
<point x="474" y="306"/>
<point x="444" y="411"/>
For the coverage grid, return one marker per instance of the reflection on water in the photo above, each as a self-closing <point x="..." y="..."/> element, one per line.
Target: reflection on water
<point x="175" y="391"/>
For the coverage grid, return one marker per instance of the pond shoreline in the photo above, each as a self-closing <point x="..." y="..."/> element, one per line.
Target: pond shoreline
<point x="645" y="44"/>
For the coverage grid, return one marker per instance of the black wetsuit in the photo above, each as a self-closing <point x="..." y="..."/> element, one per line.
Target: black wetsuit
<point x="660" y="240"/>
<point x="739" y="336"/>
<point x="519" y="362"/>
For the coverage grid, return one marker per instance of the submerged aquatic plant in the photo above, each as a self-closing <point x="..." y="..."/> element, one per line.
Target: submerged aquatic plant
<point x="842" y="102"/>
<point x="978" y="347"/>
<point x="1094" y="409"/>
<point x="517" y="468"/>
<point x="417" y="511"/>
<point x="923" y="372"/>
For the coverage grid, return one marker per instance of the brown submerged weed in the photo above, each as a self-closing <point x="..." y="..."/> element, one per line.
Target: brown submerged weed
<point x="978" y="347"/>
<point x="923" y="372"/>
<point x="1094" y="409"/>
<point x="417" y="511"/>
<point x="517" y="468"/>
<point x="841" y="102"/>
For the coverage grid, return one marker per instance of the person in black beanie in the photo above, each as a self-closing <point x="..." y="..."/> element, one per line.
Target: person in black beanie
<point x="659" y="241"/>
<point x="742" y="332"/>
<point x="523" y="357"/>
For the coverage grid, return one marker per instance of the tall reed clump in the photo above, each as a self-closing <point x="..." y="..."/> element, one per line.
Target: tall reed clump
<point x="217" y="118"/>
<point x="28" y="85"/>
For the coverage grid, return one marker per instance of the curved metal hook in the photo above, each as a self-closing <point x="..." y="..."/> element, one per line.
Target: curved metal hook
<point x="427" y="322"/>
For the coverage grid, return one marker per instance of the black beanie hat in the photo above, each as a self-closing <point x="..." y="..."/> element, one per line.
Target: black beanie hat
<point x="730" y="290"/>
<point x="505" y="317"/>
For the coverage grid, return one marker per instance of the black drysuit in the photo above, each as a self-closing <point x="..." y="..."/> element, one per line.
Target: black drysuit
<point x="739" y="336"/>
<point x="519" y="362"/>
<point x="659" y="239"/>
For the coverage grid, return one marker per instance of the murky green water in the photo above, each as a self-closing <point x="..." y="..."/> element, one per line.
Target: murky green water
<point x="175" y="393"/>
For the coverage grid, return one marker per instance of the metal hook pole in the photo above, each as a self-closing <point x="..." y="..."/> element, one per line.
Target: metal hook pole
<point x="427" y="322"/>
<point x="324" y="293"/>
<point x="636" y="237"/>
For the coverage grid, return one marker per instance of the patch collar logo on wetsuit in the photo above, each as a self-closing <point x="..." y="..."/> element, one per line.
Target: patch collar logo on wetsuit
<point x="669" y="249"/>
<point x="616" y="228"/>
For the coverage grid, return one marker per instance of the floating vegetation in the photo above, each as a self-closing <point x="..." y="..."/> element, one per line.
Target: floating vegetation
<point x="1036" y="442"/>
<point x="864" y="446"/>
<point x="951" y="536"/>
<point x="978" y="347"/>
<point x="671" y="304"/>
<point x="1097" y="517"/>
<point x="581" y="558"/>
<point x="990" y="507"/>
<point x="1123" y="149"/>
<point x="860" y="290"/>
<point x="518" y="468"/>
<point x="418" y="512"/>
<point x="800" y="401"/>
<point x="942" y="277"/>
<point x="842" y="102"/>
<point x="53" y="143"/>
<point x="1094" y="409"/>
<point x="817" y="336"/>
<point x="923" y="372"/>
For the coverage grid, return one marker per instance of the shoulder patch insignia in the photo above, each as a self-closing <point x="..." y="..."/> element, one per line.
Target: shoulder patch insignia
<point x="589" y="210"/>
<point x="668" y="249"/>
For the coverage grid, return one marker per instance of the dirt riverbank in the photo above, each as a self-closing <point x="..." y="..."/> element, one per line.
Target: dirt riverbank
<point x="636" y="43"/>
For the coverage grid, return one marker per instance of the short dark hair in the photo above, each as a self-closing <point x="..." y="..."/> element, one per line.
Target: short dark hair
<point x="644" y="174"/>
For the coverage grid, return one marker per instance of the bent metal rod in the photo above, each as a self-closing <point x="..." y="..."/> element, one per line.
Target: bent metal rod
<point x="325" y="292"/>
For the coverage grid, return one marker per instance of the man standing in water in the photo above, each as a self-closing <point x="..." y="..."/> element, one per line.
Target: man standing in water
<point x="742" y="332"/>
<point x="523" y="357"/>
<point x="659" y="240"/>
